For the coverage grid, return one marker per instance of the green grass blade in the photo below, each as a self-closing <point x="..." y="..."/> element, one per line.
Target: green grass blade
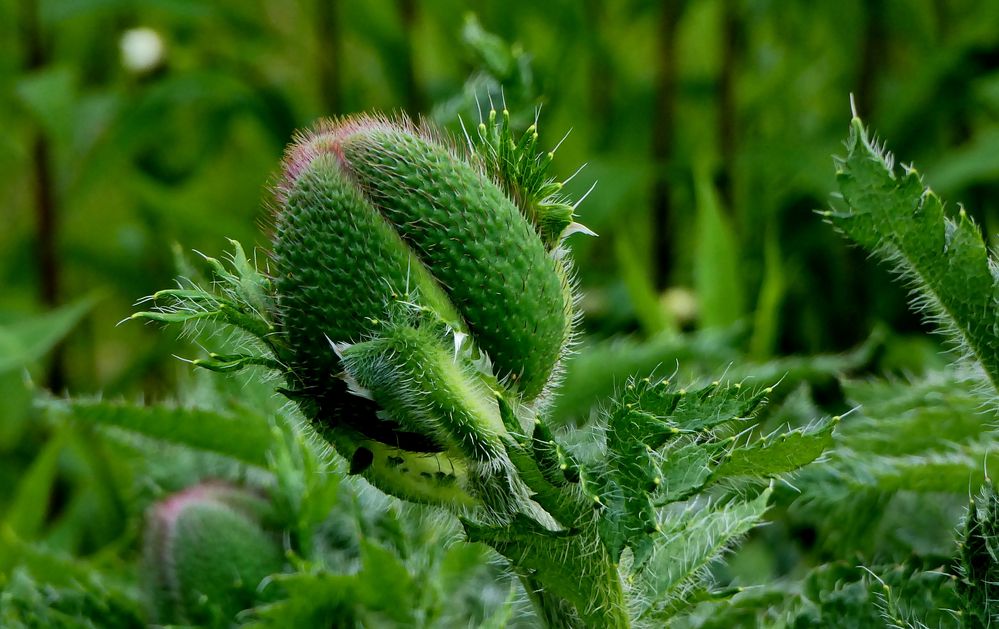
<point x="717" y="262"/>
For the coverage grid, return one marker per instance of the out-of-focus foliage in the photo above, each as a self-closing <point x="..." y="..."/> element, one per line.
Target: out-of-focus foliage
<point x="733" y="106"/>
<point x="332" y="531"/>
<point x="708" y="127"/>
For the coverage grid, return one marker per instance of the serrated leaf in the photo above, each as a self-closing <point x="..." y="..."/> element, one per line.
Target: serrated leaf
<point x="779" y="454"/>
<point x="685" y="470"/>
<point x="240" y="296"/>
<point x="882" y="399"/>
<point x="944" y="259"/>
<point x="688" y="544"/>
<point x="599" y="368"/>
<point x="676" y="410"/>
<point x="662" y="447"/>
<point x="26" y="603"/>
<point x="927" y="426"/>
<point x="929" y="435"/>
<point x="74" y="591"/>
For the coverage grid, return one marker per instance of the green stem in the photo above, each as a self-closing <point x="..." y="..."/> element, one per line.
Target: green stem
<point x="554" y="612"/>
<point x="568" y="574"/>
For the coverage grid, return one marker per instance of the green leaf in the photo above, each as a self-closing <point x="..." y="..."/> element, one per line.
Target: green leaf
<point x="766" y="319"/>
<point x="976" y="161"/>
<point x="599" y="368"/>
<point x="662" y="445"/>
<point x="944" y="259"/>
<point x="685" y="470"/>
<point x="654" y="318"/>
<point x="458" y="562"/>
<point x="26" y="514"/>
<point x="929" y="435"/>
<point x="500" y="619"/>
<point x="979" y="556"/>
<point x="384" y="585"/>
<point x="689" y="543"/>
<point x="312" y="600"/>
<point x="779" y="454"/>
<point x="494" y="53"/>
<point x="675" y="410"/>
<point x="16" y="393"/>
<point x="906" y="418"/>
<point x="87" y="603"/>
<point x="306" y="482"/>
<point x="246" y="438"/>
<point x="565" y="562"/>
<point x="24" y="342"/>
<point x="240" y="296"/>
<point x="50" y="95"/>
<point x="717" y="264"/>
<point x="844" y="595"/>
<point x="953" y="469"/>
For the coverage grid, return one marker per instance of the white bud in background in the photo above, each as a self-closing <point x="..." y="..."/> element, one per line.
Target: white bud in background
<point x="141" y="49"/>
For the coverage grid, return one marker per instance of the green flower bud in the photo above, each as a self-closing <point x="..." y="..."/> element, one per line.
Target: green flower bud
<point x="205" y="554"/>
<point x="372" y="210"/>
<point x="400" y="264"/>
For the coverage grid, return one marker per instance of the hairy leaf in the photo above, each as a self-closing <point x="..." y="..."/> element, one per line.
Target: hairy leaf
<point x="944" y="259"/>
<point x="572" y="566"/>
<point x="690" y="541"/>
<point x="978" y="586"/>
<point x="779" y="454"/>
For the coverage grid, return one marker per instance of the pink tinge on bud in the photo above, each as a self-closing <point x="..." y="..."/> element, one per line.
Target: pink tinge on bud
<point x="168" y="510"/>
<point x="206" y="549"/>
<point x="325" y="138"/>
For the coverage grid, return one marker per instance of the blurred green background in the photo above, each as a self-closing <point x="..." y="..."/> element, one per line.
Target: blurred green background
<point x="707" y="126"/>
<point x="136" y="132"/>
